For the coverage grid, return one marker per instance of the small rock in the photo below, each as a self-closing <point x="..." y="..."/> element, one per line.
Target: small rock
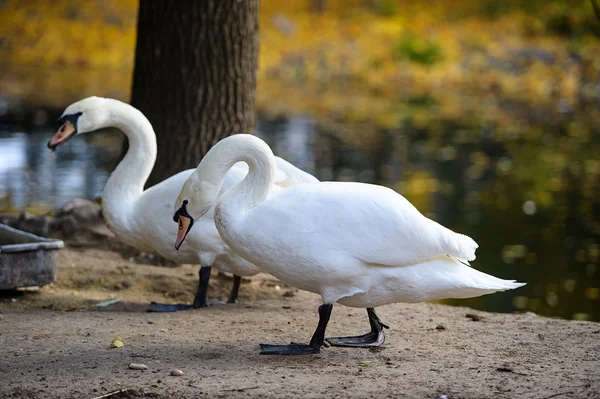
<point x="288" y="294"/>
<point x="473" y="316"/>
<point x="176" y="373"/>
<point x="286" y="307"/>
<point x="138" y="366"/>
<point x="440" y="327"/>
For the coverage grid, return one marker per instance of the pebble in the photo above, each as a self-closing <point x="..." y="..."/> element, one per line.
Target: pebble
<point x="138" y="366"/>
<point x="176" y="373"/>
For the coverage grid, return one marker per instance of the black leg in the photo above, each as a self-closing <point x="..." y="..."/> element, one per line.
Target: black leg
<point x="374" y="338"/>
<point x="199" y="299"/>
<point x="316" y="342"/>
<point x="202" y="292"/>
<point x="235" y="290"/>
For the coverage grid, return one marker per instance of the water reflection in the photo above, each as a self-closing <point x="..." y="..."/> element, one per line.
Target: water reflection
<point x="531" y="208"/>
<point x="31" y="177"/>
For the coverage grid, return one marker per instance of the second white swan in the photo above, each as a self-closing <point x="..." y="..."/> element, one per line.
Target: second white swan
<point x="143" y="218"/>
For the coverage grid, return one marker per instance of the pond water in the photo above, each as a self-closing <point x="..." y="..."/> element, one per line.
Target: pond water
<point x="529" y="201"/>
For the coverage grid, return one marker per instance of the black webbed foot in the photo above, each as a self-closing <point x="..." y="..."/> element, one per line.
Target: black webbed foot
<point x="367" y="340"/>
<point x="291" y="349"/>
<point x="374" y="338"/>
<point x="169" y="307"/>
<point x="316" y="342"/>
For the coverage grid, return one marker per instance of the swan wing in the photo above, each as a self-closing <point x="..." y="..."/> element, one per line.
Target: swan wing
<point x="286" y="175"/>
<point x="371" y="223"/>
<point x="289" y="175"/>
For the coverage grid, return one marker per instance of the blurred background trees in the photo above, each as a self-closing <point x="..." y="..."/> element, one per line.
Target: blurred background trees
<point x="484" y="114"/>
<point x="195" y="76"/>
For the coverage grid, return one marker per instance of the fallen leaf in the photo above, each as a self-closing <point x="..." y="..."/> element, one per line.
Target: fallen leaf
<point x="107" y="303"/>
<point x="117" y="343"/>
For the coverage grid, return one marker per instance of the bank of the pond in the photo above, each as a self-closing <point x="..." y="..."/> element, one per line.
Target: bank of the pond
<point x="55" y="345"/>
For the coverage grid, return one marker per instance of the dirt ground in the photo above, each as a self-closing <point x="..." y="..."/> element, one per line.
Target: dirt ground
<point x="55" y="344"/>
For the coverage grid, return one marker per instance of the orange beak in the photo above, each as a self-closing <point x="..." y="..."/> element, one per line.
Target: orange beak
<point x="64" y="133"/>
<point x="184" y="226"/>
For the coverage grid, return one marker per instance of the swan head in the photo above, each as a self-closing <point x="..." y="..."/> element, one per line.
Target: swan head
<point x="83" y="116"/>
<point x="194" y="201"/>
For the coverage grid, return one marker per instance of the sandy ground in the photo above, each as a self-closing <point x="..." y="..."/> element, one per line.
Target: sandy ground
<point x="55" y="344"/>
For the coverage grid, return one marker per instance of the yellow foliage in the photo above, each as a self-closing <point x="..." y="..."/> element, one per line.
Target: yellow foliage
<point x="352" y="61"/>
<point x="54" y="52"/>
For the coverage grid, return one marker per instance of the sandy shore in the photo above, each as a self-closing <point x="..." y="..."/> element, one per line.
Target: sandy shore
<point x="54" y="344"/>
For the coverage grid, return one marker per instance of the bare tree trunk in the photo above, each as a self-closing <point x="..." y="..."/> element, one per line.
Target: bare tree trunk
<point x="596" y="8"/>
<point x="195" y="75"/>
<point x="317" y="6"/>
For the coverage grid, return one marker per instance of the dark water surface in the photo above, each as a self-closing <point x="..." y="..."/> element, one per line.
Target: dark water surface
<point x="529" y="197"/>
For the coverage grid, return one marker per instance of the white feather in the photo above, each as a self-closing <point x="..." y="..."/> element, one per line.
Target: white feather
<point x="358" y="244"/>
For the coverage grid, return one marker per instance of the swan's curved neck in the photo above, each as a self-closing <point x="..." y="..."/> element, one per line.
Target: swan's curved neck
<point x="255" y="187"/>
<point x="126" y="183"/>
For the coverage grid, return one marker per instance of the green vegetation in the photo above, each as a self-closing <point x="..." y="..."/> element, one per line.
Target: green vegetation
<point x="417" y="49"/>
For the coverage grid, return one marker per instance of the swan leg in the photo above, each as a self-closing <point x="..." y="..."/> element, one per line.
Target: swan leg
<point x="375" y="337"/>
<point x="199" y="299"/>
<point x="202" y="291"/>
<point x="316" y="342"/>
<point x="235" y="290"/>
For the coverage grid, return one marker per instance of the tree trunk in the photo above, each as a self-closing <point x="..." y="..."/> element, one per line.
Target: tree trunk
<point x="195" y="75"/>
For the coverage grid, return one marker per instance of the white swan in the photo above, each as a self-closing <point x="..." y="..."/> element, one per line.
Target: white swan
<point x="143" y="219"/>
<point x="361" y="245"/>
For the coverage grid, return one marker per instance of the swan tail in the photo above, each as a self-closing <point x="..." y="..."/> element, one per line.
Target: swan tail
<point x="475" y="283"/>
